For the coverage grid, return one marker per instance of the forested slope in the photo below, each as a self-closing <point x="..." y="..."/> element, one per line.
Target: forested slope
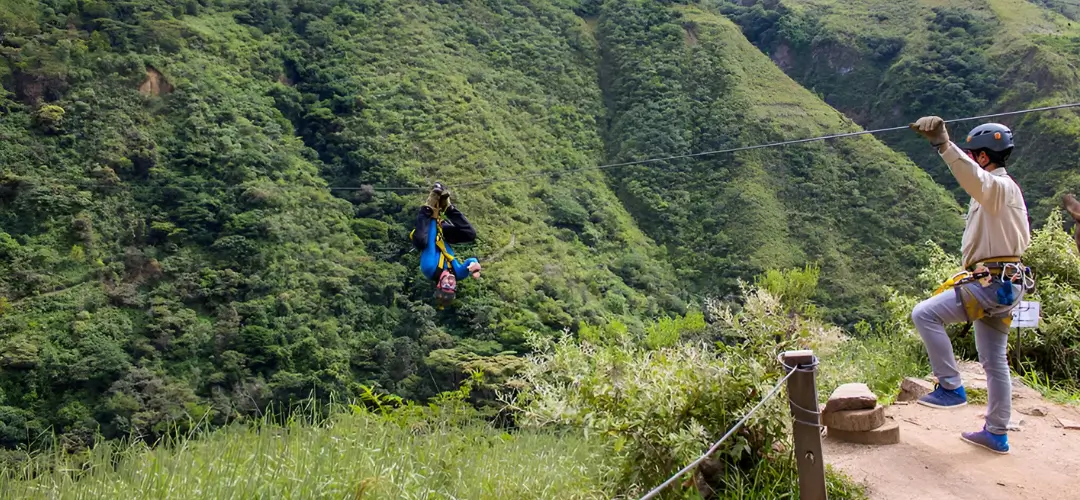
<point x="169" y="253"/>
<point x="169" y="247"/>
<point x="852" y="205"/>
<point x="886" y="63"/>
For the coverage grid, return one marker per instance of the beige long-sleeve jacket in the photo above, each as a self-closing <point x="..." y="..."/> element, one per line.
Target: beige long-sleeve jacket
<point x="997" y="220"/>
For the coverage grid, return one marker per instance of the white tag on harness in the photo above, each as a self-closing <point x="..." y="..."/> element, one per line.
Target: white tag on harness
<point x="1026" y="315"/>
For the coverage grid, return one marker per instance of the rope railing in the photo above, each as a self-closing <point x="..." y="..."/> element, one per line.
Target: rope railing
<point x="792" y="370"/>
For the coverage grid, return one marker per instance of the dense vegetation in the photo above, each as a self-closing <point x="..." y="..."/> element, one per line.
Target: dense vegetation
<point x="175" y="251"/>
<point x="172" y="258"/>
<point x="858" y="209"/>
<point x="887" y="63"/>
<point x="646" y="403"/>
<point x="641" y="406"/>
<point x="169" y="249"/>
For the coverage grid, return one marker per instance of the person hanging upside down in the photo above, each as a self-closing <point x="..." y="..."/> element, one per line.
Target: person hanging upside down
<point x="433" y="236"/>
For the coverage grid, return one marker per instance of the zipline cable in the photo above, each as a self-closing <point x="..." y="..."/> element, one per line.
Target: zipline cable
<point x="368" y="187"/>
<point x="703" y="153"/>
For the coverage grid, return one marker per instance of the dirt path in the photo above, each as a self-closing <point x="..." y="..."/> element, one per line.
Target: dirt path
<point x="931" y="462"/>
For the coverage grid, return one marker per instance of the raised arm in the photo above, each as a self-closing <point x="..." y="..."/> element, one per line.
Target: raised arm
<point x="462" y="270"/>
<point x="987" y="189"/>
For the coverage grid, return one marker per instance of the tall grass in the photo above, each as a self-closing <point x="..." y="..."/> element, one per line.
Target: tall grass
<point x="353" y="454"/>
<point x="878" y="360"/>
<point x="364" y="455"/>
<point x="1056" y="391"/>
<point x="780" y="480"/>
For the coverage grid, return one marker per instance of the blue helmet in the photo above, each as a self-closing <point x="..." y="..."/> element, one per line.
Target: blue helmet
<point x="992" y="136"/>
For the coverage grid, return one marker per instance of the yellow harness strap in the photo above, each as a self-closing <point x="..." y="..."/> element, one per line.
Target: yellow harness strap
<point x="951" y="282"/>
<point x="444" y="257"/>
<point x="972" y="308"/>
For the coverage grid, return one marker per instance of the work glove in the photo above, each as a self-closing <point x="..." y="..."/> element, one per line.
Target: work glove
<point x="439" y="198"/>
<point x="433" y="201"/>
<point x="932" y="128"/>
<point x="444" y="195"/>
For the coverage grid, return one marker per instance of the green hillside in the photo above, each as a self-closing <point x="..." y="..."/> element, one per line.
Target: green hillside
<point x="170" y="250"/>
<point x="852" y="205"/>
<point x="887" y="63"/>
<point x="172" y="253"/>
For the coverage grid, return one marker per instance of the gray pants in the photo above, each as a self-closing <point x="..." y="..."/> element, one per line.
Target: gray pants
<point x="991" y="340"/>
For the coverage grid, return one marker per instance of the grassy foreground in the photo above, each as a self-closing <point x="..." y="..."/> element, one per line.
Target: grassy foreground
<point x="360" y="455"/>
<point x="610" y="413"/>
<point x="355" y="454"/>
<point x="439" y="451"/>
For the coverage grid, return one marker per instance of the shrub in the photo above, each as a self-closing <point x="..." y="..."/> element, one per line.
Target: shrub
<point x="1052" y="347"/>
<point x="50" y="118"/>
<point x="661" y="408"/>
<point x="661" y="402"/>
<point x="794" y="287"/>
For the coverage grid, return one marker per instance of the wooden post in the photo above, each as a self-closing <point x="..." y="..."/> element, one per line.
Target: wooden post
<point x="802" y="395"/>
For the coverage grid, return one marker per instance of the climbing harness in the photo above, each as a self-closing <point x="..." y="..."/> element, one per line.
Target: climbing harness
<point x="960" y="278"/>
<point x="445" y="257"/>
<point x="1008" y="272"/>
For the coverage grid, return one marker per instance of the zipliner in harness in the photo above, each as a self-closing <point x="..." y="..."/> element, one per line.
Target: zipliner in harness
<point x="447" y="286"/>
<point x="444" y="272"/>
<point x="445" y="257"/>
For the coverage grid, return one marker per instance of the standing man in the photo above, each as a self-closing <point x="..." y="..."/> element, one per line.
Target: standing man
<point x="996" y="235"/>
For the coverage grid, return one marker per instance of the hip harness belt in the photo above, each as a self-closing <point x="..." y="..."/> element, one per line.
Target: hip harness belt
<point x="1008" y="271"/>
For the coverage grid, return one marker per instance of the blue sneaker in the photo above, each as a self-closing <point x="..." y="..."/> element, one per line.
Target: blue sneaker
<point x="997" y="443"/>
<point x="945" y="398"/>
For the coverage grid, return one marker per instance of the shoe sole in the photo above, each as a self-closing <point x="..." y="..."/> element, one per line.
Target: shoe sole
<point x="983" y="446"/>
<point x="932" y="405"/>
